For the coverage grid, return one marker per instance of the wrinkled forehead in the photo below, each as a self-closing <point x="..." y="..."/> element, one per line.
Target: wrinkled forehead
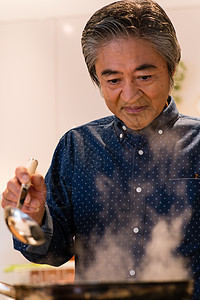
<point x="119" y="43"/>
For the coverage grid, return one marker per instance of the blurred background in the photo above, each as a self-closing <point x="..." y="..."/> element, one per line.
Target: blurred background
<point x="45" y="89"/>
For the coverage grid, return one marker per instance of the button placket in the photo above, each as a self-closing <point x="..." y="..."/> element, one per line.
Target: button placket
<point x="138" y="201"/>
<point x="121" y="136"/>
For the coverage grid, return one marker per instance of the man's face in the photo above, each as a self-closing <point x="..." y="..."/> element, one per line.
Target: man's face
<point x="134" y="80"/>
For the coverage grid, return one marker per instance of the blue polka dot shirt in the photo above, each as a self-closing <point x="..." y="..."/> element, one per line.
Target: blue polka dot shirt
<point x="125" y="202"/>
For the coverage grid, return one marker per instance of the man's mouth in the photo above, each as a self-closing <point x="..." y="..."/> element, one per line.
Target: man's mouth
<point x="134" y="109"/>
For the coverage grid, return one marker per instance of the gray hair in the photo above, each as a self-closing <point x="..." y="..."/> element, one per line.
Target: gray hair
<point x="143" y="19"/>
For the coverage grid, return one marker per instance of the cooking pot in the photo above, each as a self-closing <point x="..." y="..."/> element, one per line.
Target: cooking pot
<point x="174" y="290"/>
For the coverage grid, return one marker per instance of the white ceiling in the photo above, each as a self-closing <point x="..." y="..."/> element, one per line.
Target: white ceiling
<point x="31" y="9"/>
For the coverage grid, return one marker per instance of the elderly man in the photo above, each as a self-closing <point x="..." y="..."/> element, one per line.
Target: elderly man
<point x="116" y="183"/>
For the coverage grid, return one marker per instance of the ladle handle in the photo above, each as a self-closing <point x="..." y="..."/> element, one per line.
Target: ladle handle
<point x="31" y="167"/>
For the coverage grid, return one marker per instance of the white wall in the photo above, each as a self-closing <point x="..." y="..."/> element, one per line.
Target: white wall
<point x="45" y="88"/>
<point x="187" y="24"/>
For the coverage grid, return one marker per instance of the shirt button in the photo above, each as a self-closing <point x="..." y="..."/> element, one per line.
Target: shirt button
<point x="138" y="189"/>
<point x="160" y="131"/>
<point x="121" y="135"/>
<point x="124" y="127"/>
<point x="136" y="230"/>
<point x="132" y="272"/>
<point x="140" y="152"/>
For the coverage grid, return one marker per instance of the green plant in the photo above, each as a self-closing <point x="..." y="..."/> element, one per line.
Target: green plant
<point x="179" y="77"/>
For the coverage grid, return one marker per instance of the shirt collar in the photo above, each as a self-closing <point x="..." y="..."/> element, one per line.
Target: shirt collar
<point x="165" y="120"/>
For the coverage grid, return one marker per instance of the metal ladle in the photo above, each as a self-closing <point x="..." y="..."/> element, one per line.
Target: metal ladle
<point x="23" y="227"/>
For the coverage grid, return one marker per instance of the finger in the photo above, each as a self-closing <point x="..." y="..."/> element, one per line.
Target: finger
<point x="11" y="193"/>
<point x="22" y="175"/>
<point x="36" y="204"/>
<point x="37" y="193"/>
<point x="14" y="187"/>
<point x="33" y="207"/>
<point x="8" y="199"/>
<point x="9" y="196"/>
<point x="38" y="182"/>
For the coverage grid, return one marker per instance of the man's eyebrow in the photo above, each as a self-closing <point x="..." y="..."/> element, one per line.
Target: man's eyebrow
<point x="108" y="72"/>
<point x="144" y="67"/>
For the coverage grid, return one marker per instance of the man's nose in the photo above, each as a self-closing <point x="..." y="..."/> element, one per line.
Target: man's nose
<point x="130" y="92"/>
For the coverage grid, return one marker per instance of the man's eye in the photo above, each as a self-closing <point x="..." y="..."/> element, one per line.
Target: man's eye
<point x="113" y="81"/>
<point x="145" y="77"/>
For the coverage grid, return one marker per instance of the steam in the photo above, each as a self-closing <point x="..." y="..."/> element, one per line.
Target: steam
<point x="160" y="262"/>
<point x="109" y="263"/>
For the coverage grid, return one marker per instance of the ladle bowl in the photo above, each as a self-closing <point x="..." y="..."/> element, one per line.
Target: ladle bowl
<point x="23" y="227"/>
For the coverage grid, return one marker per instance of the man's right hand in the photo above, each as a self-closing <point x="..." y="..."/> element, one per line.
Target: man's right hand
<point x="36" y="197"/>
